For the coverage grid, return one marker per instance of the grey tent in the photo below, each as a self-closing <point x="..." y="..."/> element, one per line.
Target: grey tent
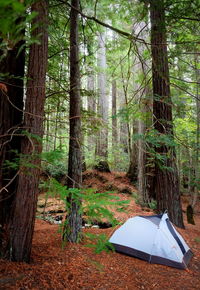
<point x="154" y="239"/>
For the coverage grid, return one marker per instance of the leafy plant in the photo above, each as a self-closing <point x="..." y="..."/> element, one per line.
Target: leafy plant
<point x="95" y="206"/>
<point x="98" y="206"/>
<point x="55" y="164"/>
<point x="152" y="204"/>
<point x="99" y="243"/>
<point x="137" y="198"/>
<point x="197" y="239"/>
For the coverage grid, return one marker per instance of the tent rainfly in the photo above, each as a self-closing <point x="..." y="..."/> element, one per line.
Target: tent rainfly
<point x="153" y="239"/>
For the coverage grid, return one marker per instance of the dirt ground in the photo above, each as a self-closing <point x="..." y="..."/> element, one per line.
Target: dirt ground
<point x="75" y="266"/>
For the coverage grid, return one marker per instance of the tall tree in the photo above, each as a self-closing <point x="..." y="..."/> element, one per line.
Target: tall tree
<point x="124" y="128"/>
<point x="166" y="175"/>
<point x="74" y="219"/>
<point x="102" y="141"/>
<point x="197" y="170"/>
<point x="114" y="109"/>
<point x="11" y="106"/>
<point x="114" y="112"/>
<point x="91" y="105"/>
<point x="144" y="174"/>
<point x="23" y="212"/>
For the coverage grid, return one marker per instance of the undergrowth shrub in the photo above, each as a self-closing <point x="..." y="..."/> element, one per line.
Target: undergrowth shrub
<point x="54" y="164"/>
<point x="99" y="243"/>
<point x="97" y="207"/>
<point x="152" y="204"/>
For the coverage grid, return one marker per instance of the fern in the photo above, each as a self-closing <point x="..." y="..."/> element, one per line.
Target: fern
<point x="99" y="243"/>
<point x="95" y="206"/>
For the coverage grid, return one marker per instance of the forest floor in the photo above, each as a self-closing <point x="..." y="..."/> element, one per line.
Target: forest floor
<point x="75" y="266"/>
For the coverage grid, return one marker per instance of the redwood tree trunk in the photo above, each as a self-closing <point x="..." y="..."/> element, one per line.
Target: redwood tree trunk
<point x="196" y="158"/>
<point x="10" y="123"/>
<point x="166" y="175"/>
<point x="23" y="214"/>
<point x="74" y="219"/>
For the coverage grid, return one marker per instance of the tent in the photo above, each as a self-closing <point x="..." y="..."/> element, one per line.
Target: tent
<point x="153" y="239"/>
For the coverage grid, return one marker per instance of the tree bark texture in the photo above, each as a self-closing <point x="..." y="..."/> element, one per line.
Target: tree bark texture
<point x="91" y="107"/>
<point x="74" y="219"/>
<point x="133" y="165"/>
<point x="11" y="106"/>
<point x="145" y="172"/>
<point x="114" y="112"/>
<point x="102" y="142"/>
<point x="197" y="170"/>
<point x="124" y="130"/>
<point x="166" y="181"/>
<point x="23" y="214"/>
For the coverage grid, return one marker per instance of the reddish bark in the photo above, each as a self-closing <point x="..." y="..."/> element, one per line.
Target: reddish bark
<point x="11" y="106"/>
<point x="166" y="180"/>
<point x="23" y="215"/>
<point x="74" y="220"/>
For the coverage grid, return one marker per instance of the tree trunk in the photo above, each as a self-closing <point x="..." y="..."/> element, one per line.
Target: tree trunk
<point x="11" y="106"/>
<point x="145" y="171"/>
<point x="197" y="170"/>
<point x="56" y="124"/>
<point x="74" y="219"/>
<point x="47" y="129"/>
<point x="132" y="170"/>
<point x="114" y="117"/>
<point x="91" y="107"/>
<point x="124" y="130"/>
<point x="102" y="142"/>
<point x="166" y="175"/>
<point x="114" y="111"/>
<point x="23" y="214"/>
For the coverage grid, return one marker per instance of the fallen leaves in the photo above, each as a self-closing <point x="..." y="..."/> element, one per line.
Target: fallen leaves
<point x="77" y="267"/>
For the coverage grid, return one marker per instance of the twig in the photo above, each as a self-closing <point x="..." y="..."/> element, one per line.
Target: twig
<point x="5" y="187"/>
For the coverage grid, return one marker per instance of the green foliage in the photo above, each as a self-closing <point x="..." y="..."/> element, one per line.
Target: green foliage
<point x="97" y="265"/>
<point x="54" y="188"/>
<point x="10" y="11"/>
<point x="57" y="170"/>
<point x="24" y="160"/>
<point x="12" y="163"/>
<point x="53" y="156"/>
<point x="55" y="163"/>
<point x="91" y="122"/>
<point x="99" y="243"/>
<point x="14" y="19"/>
<point x="197" y="239"/>
<point x="152" y="204"/>
<point x="155" y="140"/>
<point x="137" y="198"/>
<point x="118" y="159"/>
<point x="96" y="206"/>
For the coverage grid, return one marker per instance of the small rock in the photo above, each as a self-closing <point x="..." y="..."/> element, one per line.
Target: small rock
<point x="87" y="225"/>
<point x="95" y="226"/>
<point x="57" y="222"/>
